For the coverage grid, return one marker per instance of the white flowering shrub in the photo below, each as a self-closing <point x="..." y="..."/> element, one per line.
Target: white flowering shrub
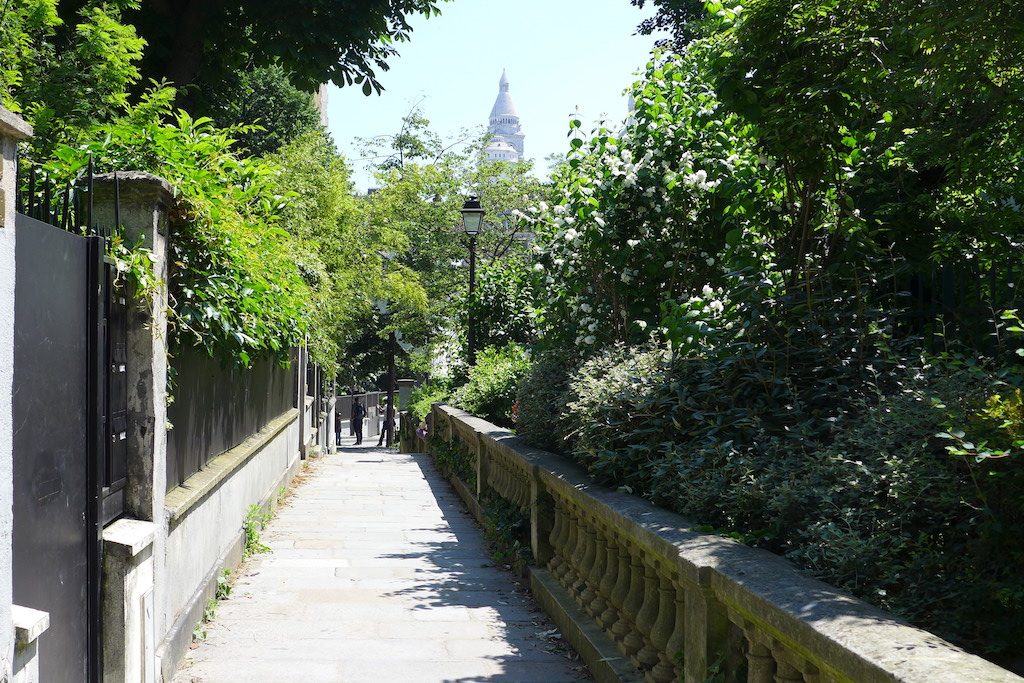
<point x="649" y="216"/>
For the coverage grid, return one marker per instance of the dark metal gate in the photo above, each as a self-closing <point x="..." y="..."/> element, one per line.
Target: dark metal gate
<point x="70" y="423"/>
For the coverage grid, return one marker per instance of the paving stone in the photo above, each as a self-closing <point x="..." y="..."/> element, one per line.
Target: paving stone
<point x="377" y="573"/>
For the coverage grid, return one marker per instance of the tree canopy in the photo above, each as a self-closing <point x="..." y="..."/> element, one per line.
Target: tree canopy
<point x="314" y="40"/>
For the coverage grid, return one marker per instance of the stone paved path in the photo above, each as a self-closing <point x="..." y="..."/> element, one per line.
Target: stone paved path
<point x="376" y="574"/>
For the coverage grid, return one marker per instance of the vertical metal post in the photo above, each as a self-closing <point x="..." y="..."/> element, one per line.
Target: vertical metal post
<point x="19" y="198"/>
<point x="472" y="285"/>
<point x="117" y="208"/>
<point x="31" y="190"/>
<point x="302" y="402"/>
<point x="389" y="414"/>
<point x="64" y="210"/>
<point x="95" y="450"/>
<point x="45" y="210"/>
<point x="76" y="209"/>
<point x="89" y="227"/>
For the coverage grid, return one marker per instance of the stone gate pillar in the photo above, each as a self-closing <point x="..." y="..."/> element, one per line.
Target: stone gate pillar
<point x="29" y="624"/>
<point x="133" y="566"/>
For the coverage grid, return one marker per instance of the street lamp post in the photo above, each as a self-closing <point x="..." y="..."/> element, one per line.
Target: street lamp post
<point x="472" y="222"/>
<point x="389" y="410"/>
<point x="389" y="413"/>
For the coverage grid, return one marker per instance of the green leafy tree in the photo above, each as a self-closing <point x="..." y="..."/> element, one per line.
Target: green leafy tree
<point x="263" y="96"/>
<point x="680" y="18"/>
<point x="424" y="182"/>
<point x="907" y="111"/>
<point x="202" y="40"/>
<point x="330" y="250"/>
<point x="235" y="289"/>
<point x="69" y="71"/>
<point x="504" y="303"/>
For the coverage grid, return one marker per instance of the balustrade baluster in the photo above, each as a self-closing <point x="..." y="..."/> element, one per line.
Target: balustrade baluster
<point x="505" y="479"/>
<point x="613" y="619"/>
<point x="595" y="606"/>
<point x="785" y="672"/>
<point x="760" y="663"/>
<point x="495" y="475"/>
<point x="580" y="556"/>
<point x="663" y="630"/>
<point x="647" y="656"/>
<point x="676" y="645"/>
<point x="568" y="538"/>
<point x="631" y="638"/>
<point x="557" y="537"/>
<point x="568" y="572"/>
<point x="606" y="617"/>
<point x="584" y="590"/>
<point x="811" y="673"/>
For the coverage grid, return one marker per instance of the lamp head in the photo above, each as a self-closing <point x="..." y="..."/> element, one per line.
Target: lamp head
<point x="472" y="216"/>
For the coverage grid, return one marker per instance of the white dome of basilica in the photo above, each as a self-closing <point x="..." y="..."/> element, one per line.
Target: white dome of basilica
<point x="506" y="133"/>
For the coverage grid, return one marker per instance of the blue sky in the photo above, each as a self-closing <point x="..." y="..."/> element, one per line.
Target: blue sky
<point x="559" y="54"/>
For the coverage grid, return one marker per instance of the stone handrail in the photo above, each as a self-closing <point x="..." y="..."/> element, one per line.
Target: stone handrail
<point x="686" y="605"/>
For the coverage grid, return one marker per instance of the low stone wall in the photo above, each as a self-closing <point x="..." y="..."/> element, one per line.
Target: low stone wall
<point x="204" y="523"/>
<point x="642" y="595"/>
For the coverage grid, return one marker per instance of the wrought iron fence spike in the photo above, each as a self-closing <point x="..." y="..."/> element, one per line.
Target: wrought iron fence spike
<point x="31" y="190"/>
<point x="19" y="198"/>
<point x="64" y="213"/>
<point x="44" y="206"/>
<point x="89" y="227"/>
<point x="77" y="208"/>
<point x="117" y="206"/>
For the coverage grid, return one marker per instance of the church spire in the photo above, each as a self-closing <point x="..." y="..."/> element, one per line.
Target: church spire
<point x="503" y="107"/>
<point x="506" y="133"/>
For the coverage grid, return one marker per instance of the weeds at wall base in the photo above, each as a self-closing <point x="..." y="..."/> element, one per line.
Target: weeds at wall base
<point x="256" y="519"/>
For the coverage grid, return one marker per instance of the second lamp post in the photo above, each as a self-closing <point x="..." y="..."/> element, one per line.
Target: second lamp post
<point x="472" y="222"/>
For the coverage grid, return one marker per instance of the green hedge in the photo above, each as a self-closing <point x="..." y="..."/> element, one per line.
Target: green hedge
<point x="491" y="390"/>
<point x="869" y="493"/>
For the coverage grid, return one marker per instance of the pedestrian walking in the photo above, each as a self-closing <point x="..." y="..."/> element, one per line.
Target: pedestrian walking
<point x="358" y="413"/>
<point x="389" y="424"/>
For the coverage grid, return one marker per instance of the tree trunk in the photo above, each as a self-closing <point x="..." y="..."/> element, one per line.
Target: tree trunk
<point x="188" y="42"/>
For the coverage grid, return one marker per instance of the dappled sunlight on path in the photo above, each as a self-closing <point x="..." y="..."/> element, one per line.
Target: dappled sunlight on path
<point x="377" y="574"/>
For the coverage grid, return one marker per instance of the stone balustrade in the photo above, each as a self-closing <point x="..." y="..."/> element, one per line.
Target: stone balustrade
<point x="642" y="595"/>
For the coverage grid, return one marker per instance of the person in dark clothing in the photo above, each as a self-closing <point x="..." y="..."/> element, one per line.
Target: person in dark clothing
<point x="389" y="423"/>
<point x="337" y="426"/>
<point x="358" y="413"/>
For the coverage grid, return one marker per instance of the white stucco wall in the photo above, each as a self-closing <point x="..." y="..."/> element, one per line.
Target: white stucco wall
<point x="196" y="545"/>
<point x="12" y="129"/>
<point x="6" y="410"/>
